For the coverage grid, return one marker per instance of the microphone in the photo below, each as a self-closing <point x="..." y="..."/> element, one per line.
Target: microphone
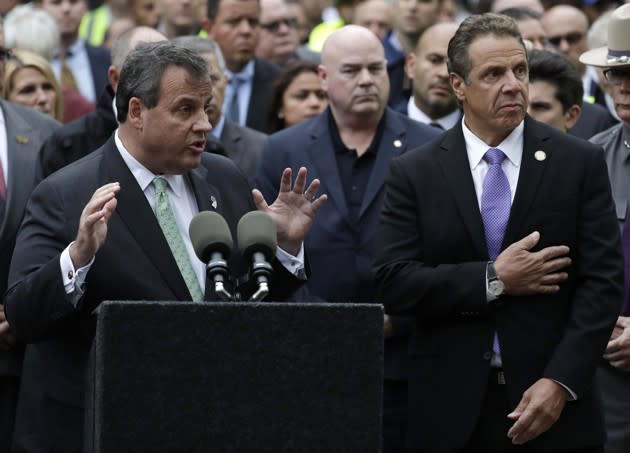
<point x="257" y="242"/>
<point x="212" y="240"/>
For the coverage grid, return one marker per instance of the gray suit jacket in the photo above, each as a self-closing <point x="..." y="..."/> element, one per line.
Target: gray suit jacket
<point x="243" y="145"/>
<point x="26" y="130"/>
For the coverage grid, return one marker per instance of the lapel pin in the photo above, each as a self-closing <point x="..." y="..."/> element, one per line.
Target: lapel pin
<point x="397" y="143"/>
<point x="540" y="155"/>
<point x="213" y="201"/>
<point x="21" y="139"/>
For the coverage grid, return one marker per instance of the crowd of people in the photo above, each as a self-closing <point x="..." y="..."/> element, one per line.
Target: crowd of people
<point x="464" y="163"/>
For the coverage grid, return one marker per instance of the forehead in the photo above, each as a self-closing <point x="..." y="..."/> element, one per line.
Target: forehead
<point x="355" y="51"/>
<point x="435" y="40"/>
<point x="373" y="10"/>
<point x="492" y="51"/>
<point x="531" y="28"/>
<point x="177" y="83"/>
<point x="238" y="8"/>
<point x="565" y="20"/>
<point x="542" y="90"/>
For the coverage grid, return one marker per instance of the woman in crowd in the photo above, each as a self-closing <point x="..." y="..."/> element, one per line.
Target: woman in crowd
<point x="29" y="80"/>
<point x="298" y="96"/>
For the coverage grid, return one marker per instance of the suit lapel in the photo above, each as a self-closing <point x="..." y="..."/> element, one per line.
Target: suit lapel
<point x="530" y="175"/>
<point x="208" y="197"/>
<point x="392" y="144"/>
<point x="22" y="146"/>
<point x="321" y="153"/>
<point x="136" y="213"/>
<point x="453" y="159"/>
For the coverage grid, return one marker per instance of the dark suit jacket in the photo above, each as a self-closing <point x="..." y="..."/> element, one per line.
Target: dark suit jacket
<point x="78" y="138"/>
<point x="593" y="120"/>
<point x="262" y="91"/>
<point x="135" y="263"/>
<point x="339" y="250"/>
<point x="100" y="59"/>
<point x="243" y="145"/>
<point x="26" y="130"/>
<point x="431" y="263"/>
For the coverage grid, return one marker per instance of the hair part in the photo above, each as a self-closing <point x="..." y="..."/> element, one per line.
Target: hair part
<point x="473" y="28"/>
<point x="555" y="69"/>
<point x="144" y="67"/>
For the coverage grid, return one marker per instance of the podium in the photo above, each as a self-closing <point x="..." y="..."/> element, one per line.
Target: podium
<point x="235" y="377"/>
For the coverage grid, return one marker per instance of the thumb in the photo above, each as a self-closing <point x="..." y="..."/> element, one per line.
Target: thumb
<point x="530" y="241"/>
<point x="516" y="413"/>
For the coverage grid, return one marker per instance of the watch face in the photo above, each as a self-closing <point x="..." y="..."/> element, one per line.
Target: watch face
<point x="496" y="287"/>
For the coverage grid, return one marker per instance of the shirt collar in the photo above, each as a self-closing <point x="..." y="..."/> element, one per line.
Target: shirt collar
<point x="446" y="121"/>
<point x="338" y="144"/>
<point x="143" y="175"/>
<point x="512" y="145"/>
<point x="246" y="74"/>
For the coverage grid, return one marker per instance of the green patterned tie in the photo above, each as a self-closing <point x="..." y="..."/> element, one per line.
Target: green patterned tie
<point x="166" y="218"/>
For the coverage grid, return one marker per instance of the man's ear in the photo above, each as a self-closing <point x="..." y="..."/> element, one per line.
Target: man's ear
<point x="457" y="83"/>
<point x="206" y="25"/>
<point x="323" y="77"/>
<point x="135" y="113"/>
<point x="571" y="116"/>
<point x="410" y="65"/>
<point x="113" y="75"/>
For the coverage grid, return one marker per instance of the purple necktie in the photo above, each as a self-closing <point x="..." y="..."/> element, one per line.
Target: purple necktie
<point x="496" y="201"/>
<point x="625" y="308"/>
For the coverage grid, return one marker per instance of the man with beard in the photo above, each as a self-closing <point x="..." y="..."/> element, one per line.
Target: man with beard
<point x="433" y="101"/>
<point x="349" y="147"/>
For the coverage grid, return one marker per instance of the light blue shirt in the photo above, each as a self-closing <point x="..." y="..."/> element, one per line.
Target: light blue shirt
<point x="79" y="64"/>
<point x="244" y="91"/>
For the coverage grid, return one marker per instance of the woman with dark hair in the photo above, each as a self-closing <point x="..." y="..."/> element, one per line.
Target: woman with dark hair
<point x="297" y="96"/>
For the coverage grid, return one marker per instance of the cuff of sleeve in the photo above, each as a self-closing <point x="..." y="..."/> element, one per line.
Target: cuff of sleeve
<point x="73" y="279"/>
<point x="293" y="264"/>
<point x="572" y="395"/>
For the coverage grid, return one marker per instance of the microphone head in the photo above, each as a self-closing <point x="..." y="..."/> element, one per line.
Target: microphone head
<point x="209" y="233"/>
<point x="256" y="232"/>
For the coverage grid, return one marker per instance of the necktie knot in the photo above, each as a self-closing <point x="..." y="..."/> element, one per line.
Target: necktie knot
<point x="494" y="156"/>
<point x="160" y="184"/>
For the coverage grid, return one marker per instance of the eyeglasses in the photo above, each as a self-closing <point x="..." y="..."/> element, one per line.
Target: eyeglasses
<point x="571" y="38"/>
<point x="5" y="53"/>
<point x="274" y="26"/>
<point x="617" y="76"/>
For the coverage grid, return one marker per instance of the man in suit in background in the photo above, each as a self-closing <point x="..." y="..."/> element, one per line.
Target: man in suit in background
<point x="114" y="226"/>
<point x="86" y="134"/>
<point x="614" y="370"/>
<point x="79" y="66"/>
<point x="432" y="99"/>
<point x="241" y="144"/>
<point x="235" y="26"/>
<point x="23" y="130"/>
<point x="349" y="147"/>
<point x="514" y="280"/>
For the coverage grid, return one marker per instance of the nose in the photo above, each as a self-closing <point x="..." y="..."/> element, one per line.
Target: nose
<point x="203" y="123"/>
<point x="365" y="78"/>
<point x="40" y="97"/>
<point x="563" y="46"/>
<point x="443" y="71"/>
<point x="512" y="83"/>
<point x="244" y="26"/>
<point x="313" y="101"/>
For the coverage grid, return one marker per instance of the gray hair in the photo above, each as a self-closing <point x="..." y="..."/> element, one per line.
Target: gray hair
<point x="473" y="27"/>
<point x="201" y="46"/>
<point x="144" y="67"/>
<point x="29" y="28"/>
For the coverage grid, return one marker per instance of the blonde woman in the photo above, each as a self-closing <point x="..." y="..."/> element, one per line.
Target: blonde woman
<point x="29" y="80"/>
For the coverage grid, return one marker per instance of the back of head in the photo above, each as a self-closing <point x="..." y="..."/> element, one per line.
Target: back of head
<point x="472" y="28"/>
<point x="142" y="72"/>
<point x="31" y="29"/>
<point x="128" y="40"/>
<point x="521" y="13"/>
<point x="501" y="5"/>
<point x="550" y="67"/>
<point x="202" y="46"/>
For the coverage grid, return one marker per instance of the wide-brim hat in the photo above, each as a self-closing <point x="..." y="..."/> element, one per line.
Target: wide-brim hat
<point x="617" y="53"/>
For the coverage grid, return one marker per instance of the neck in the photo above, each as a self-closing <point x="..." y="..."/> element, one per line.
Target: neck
<point x="408" y="41"/>
<point x="491" y="137"/>
<point x="357" y="133"/>
<point x="68" y="40"/>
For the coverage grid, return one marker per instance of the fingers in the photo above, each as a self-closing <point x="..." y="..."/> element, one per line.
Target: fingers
<point x="285" y="180"/>
<point x="319" y="202"/>
<point x="312" y="189"/>
<point x="529" y="241"/>
<point x="259" y="200"/>
<point x="7" y="340"/>
<point x="300" y="181"/>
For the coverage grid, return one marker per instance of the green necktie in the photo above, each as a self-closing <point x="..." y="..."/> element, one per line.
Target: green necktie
<point x="166" y="219"/>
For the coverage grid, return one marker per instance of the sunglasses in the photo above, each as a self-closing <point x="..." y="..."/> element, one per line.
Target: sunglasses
<point x="5" y="54"/>
<point x="617" y="76"/>
<point x="571" y="38"/>
<point x="274" y="26"/>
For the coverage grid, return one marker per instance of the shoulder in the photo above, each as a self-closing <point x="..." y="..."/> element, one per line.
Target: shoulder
<point x="607" y="136"/>
<point x="265" y="70"/>
<point x="29" y="116"/>
<point x="247" y="132"/>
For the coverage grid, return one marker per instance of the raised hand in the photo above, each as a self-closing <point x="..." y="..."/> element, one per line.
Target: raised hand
<point x="293" y="210"/>
<point x="93" y="224"/>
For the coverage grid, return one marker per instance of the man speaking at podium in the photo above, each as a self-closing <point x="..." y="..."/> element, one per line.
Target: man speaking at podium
<point x="114" y="226"/>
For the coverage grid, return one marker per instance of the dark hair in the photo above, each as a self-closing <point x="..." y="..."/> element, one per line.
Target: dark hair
<point x="521" y="13"/>
<point x="141" y="74"/>
<point x="554" y="68"/>
<point x="281" y="83"/>
<point x="473" y="27"/>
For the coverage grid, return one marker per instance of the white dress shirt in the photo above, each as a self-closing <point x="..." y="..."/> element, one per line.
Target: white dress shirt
<point x="446" y="122"/>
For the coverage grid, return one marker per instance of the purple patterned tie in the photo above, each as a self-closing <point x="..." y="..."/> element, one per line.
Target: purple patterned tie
<point x="496" y="201"/>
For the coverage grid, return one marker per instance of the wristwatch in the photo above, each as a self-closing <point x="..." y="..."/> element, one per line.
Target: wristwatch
<point x="495" y="285"/>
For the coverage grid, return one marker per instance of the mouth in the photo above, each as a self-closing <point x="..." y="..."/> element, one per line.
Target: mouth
<point x="197" y="146"/>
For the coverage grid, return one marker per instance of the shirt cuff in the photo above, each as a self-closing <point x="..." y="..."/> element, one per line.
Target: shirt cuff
<point x="293" y="264"/>
<point x="572" y="395"/>
<point x="73" y="279"/>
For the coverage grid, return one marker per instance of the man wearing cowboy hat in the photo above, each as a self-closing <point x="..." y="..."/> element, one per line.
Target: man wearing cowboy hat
<point x="614" y="372"/>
